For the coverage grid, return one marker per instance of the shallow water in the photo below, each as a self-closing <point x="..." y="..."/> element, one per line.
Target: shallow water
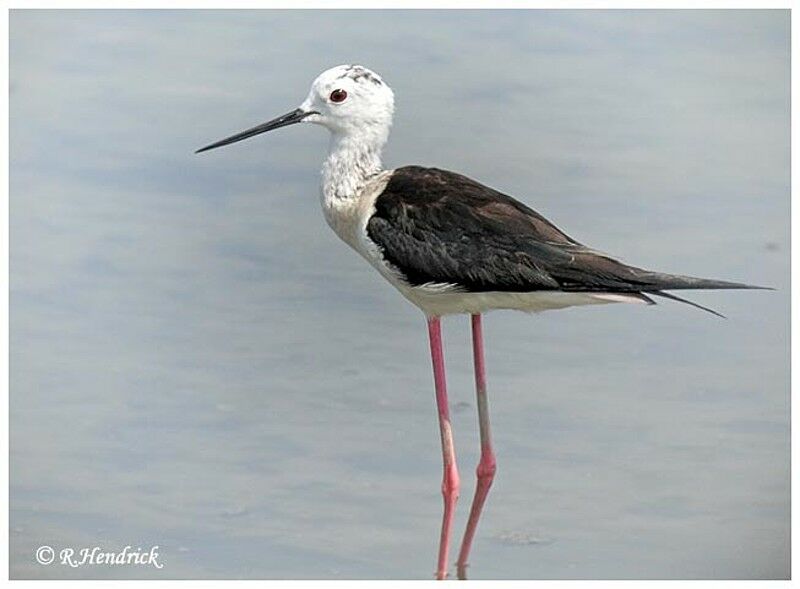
<point x="197" y="363"/>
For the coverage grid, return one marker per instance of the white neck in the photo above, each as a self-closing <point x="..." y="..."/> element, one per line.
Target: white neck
<point x="352" y="159"/>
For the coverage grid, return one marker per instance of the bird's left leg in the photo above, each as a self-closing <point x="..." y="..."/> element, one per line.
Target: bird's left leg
<point x="450" y="481"/>
<point x="487" y="464"/>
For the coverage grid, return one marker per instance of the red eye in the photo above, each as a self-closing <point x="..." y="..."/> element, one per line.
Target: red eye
<point x="338" y="95"/>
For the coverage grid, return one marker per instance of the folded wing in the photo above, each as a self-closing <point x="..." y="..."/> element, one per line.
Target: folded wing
<point x="439" y="227"/>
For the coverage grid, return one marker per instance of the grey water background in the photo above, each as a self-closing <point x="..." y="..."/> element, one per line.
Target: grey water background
<point x="197" y="363"/>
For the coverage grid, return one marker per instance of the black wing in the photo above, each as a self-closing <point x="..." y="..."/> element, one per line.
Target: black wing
<point x="436" y="226"/>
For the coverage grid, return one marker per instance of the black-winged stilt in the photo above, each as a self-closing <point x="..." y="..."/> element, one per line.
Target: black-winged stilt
<point x="452" y="245"/>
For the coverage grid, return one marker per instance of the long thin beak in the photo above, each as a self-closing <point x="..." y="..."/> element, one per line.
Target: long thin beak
<point x="289" y="118"/>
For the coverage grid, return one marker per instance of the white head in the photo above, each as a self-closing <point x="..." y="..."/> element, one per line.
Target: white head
<point x="352" y="101"/>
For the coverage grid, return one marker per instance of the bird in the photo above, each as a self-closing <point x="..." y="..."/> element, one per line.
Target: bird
<point x="452" y="245"/>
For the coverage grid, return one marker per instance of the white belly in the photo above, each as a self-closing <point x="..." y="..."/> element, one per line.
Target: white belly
<point x="449" y="302"/>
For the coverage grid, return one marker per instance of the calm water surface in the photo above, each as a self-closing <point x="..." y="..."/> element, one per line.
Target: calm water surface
<point x="197" y="363"/>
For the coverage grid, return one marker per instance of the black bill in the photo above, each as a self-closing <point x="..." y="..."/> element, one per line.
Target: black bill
<point x="290" y="118"/>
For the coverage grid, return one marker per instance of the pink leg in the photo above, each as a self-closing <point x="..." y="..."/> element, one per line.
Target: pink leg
<point x="450" y="480"/>
<point x="487" y="464"/>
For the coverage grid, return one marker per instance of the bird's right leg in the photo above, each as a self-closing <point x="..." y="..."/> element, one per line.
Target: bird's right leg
<point x="450" y="482"/>
<point x="487" y="464"/>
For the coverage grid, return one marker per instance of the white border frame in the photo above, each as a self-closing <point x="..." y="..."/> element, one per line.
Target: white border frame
<point x="367" y="4"/>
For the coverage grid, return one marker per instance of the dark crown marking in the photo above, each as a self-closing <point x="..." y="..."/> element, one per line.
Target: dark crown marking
<point x="358" y="73"/>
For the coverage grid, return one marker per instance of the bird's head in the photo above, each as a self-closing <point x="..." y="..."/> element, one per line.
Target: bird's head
<point x="350" y="100"/>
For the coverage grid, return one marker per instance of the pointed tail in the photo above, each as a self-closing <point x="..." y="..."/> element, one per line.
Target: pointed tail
<point x="664" y="282"/>
<point x="660" y="281"/>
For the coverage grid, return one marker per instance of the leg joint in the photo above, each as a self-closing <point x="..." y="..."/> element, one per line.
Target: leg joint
<point x="451" y="482"/>
<point x="486" y="468"/>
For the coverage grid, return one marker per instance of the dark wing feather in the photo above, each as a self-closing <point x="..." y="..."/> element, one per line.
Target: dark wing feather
<point x="436" y="226"/>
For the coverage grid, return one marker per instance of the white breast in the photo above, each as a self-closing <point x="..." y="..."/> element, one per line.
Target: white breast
<point x="348" y="217"/>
